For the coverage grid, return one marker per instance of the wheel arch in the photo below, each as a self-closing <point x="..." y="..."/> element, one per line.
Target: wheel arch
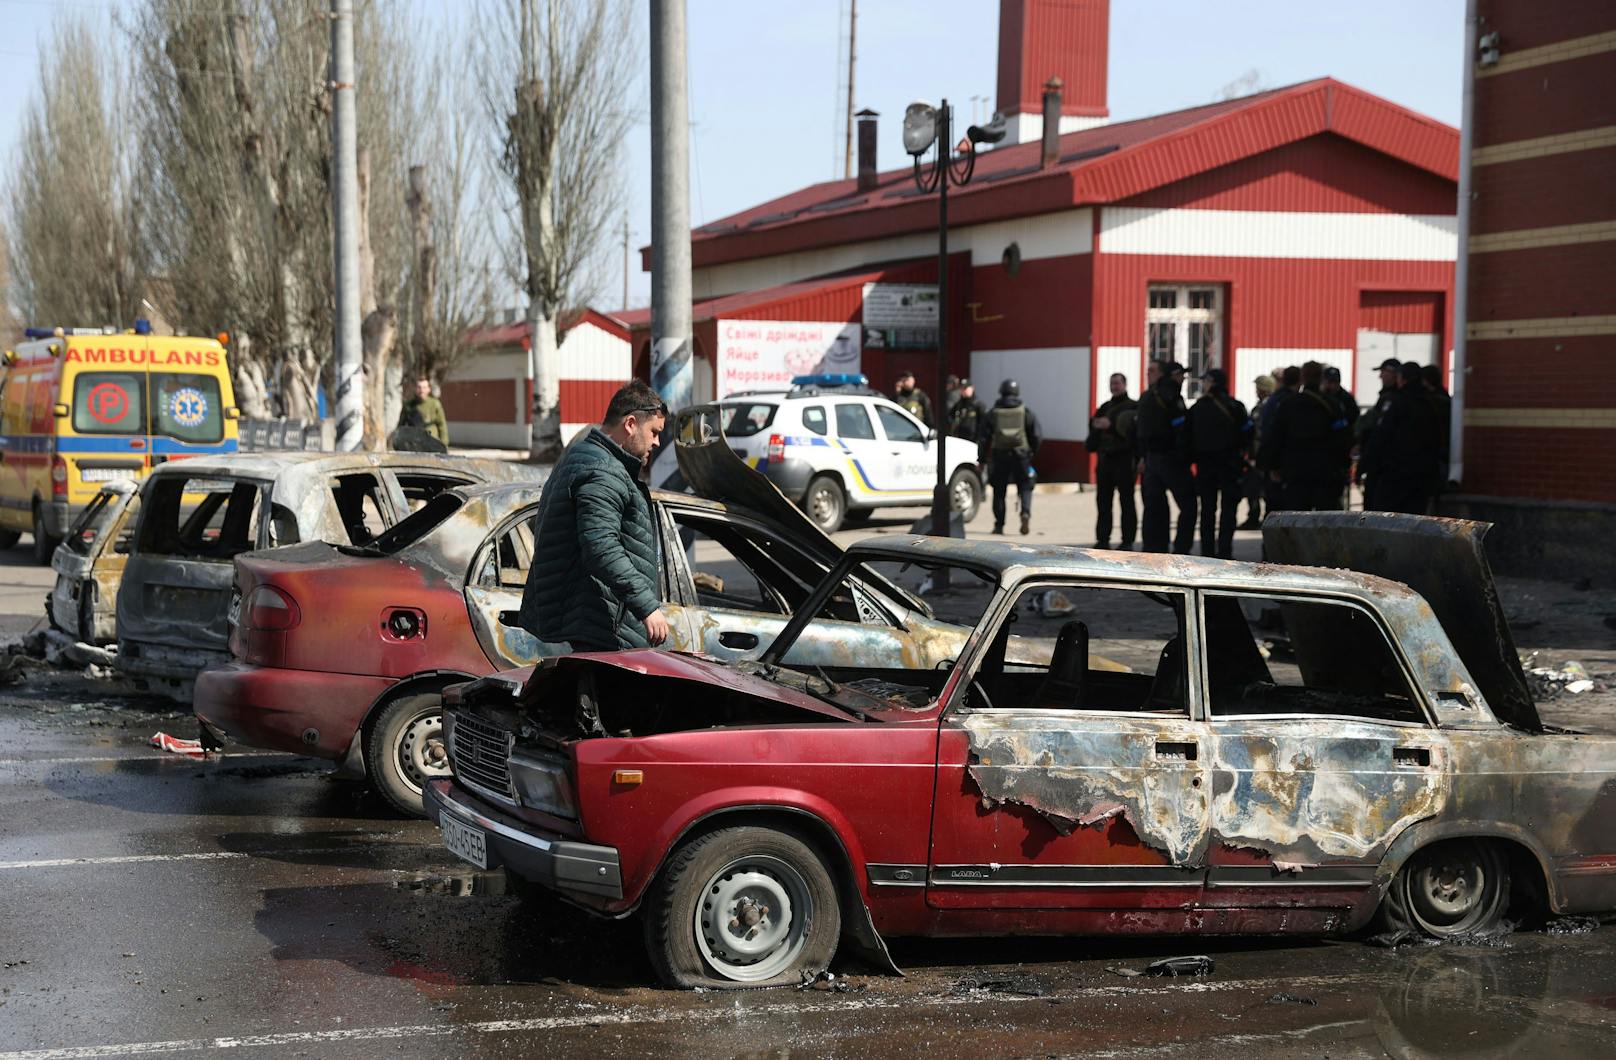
<point x="858" y="926"/>
<point x="353" y="763"/>
<point x="1531" y="868"/>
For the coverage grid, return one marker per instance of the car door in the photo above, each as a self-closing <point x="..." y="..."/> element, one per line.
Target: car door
<point x="911" y="460"/>
<point x="1323" y="752"/>
<point x="494" y="591"/>
<point x="1071" y="770"/>
<point x="868" y="470"/>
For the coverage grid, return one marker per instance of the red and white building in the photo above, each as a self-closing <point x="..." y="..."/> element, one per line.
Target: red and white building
<point x="488" y="397"/>
<point x="1310" y="222"/>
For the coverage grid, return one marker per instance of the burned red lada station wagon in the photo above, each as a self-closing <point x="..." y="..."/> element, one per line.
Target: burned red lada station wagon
<point x="1124" y="743"/>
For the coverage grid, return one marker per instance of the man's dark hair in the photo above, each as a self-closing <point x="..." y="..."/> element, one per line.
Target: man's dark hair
<point x="1432" y="374"/>
<point x="1410" y="372"/>
<point x="1292" y="376"/>
<point x="1312" y="374"/>
<point x="1118" y="375"/>
<point x="632" y="397"/>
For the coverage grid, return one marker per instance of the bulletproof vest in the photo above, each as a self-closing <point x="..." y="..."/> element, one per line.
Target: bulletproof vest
<point x="1009" y="428"/>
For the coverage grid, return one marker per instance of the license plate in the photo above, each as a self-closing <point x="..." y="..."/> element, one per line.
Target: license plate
<point x="104" y="474"/>
<point x="464" y="841"/>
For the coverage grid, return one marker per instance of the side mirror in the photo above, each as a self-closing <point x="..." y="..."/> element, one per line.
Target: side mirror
<point x="59" y="410"/>
<point x="232" y="413"/>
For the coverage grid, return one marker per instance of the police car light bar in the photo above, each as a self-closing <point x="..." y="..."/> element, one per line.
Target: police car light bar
<point x="831" y="379"/>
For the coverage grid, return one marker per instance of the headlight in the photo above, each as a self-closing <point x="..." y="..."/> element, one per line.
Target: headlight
<point x="542" y="784"/>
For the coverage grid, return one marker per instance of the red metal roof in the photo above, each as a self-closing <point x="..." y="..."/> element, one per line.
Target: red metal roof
<point x="1099" y="165"/>
<point x="515" y="334"/>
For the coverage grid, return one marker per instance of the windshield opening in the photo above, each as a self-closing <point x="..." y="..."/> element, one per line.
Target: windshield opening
<point x="411" y="528"/>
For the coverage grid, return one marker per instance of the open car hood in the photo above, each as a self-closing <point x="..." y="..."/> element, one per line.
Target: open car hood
<point x="1443" y="561"/>
<point x="714" y="472"/>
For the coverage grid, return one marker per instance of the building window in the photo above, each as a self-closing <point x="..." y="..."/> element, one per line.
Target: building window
<point x="1184" y="323"/>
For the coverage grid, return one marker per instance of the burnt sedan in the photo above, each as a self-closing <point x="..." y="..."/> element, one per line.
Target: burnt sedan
<point x="342" y="651"/>
<point x="1199" y="747"/>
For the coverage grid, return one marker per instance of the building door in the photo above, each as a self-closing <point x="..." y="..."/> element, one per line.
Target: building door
<point x="1184" y="323"/>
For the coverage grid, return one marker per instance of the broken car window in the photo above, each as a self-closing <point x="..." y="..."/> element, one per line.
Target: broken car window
<point x="201" y="519"/>
<point x="1278" y="655"/>
<point x="419" y="487"/>
<point x="1072" y="647"/>
<point x="409" y="530"/>
<point x="359" y="502"/>
<point x="725" y="566"/>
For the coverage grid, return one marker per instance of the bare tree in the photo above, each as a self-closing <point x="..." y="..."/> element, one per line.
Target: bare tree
<point x="10" y="327"/>
<point x="73" y="214"/>
<point x="560" y="129"/>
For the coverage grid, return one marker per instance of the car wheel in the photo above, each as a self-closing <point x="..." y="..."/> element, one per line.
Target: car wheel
<point x="406" y="749"/>
<point x="965" y="493"/>
<point x="9" y="538"/>
<point x="825" y="504"/>
<point x="1457" y="887"/>
<point x="742" y="907"/>
<point x="44" y="544"/>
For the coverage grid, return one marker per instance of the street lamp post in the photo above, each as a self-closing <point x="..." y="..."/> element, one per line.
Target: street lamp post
<point x="926" y="127"/>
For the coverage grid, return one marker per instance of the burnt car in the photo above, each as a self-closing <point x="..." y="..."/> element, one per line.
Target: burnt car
<point x="197" y="515"/>
<point x="342" y="651"/>
<point x="1269" y="748"/>
<point x="89" y="563"/>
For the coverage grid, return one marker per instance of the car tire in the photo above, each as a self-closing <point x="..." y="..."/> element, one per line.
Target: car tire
<point x="9" y="538"/>
<point x="965" y="493"/>
<point x="716" y="885"/>
<point x="405" y="748"/>
<point x="44" y="544"/>
<point x="1449" y="889"/>
<point x="825" y="504"/>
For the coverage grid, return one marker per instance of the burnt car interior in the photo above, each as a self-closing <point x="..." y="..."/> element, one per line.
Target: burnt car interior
<point x="359" y="504"/>
<point x="82" y="537"/>
<point x="408" y="530"/>
<point x="1331" y="659"/>
<point x="1121" y="649"/>
<point x="218" y="527"/>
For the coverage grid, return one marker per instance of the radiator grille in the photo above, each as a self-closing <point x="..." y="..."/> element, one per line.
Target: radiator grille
<point x="481" y="753"/>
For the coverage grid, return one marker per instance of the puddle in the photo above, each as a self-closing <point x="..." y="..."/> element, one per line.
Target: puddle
<point x="459" y="885"/>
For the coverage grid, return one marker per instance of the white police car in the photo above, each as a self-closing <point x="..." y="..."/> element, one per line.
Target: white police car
<point x="837" y="448"/>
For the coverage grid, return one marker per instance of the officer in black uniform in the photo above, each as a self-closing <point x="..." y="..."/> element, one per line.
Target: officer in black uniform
<point x="1220" y="432"/>
<point x="1162" y="444"/>
<point x="1301" y="446"/>
<point x="1010" y="437"/>
<point x="1112" y="447"/>
<point x="1405" y="452"/>
<point x="965" y="414"/>
<point x="1390" y="370"/>
<point x="1347" y="412"/>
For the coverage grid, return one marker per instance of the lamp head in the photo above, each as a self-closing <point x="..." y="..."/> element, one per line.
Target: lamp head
<point x="919" y="127"/>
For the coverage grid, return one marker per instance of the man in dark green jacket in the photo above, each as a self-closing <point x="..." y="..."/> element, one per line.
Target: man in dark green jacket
<point x="593" y="585"/>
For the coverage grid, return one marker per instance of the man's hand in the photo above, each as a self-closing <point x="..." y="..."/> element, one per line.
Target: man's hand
<point x="1102" y="423"/>
<point x="656" y="626"/>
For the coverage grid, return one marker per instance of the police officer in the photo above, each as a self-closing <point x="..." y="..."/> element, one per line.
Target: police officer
<point x="1162" y="445"/>
<point x="1347" y="413"/>
<point x="1405" y="453"/>
<point x="1254" y="478"/>
<point x="1220" y="431"/>
<point x="913" y="399"/>
<point x="965" y="414"/>
<point x="1442" y="401"/>
<point x="1010" y="436"/>
<point x="1390" y="370"/>
<point x="1110" y="442"/>
<point x="1301" y="446"/>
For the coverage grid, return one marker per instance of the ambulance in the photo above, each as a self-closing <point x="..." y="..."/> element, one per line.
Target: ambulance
<point x="81" y="406"/>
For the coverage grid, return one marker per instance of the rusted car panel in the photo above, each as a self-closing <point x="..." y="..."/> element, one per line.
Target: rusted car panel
<point x="89" y="565"/>
<point x="957" y="816"/>
<point x="173" y="598"/>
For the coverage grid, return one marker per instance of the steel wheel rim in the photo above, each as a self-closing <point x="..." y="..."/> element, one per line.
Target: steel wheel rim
<point x="964" y="494"/>
<point x="822" y="505"/>
<point x="1448" y="895"/>
<point x="752" y="917"/>
<point x="421" y="752"/>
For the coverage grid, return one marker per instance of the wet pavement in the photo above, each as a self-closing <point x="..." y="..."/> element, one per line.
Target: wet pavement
<point x="154" y="904"/>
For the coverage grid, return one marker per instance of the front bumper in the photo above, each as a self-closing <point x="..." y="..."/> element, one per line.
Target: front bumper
<point x="577" y="870"/>
<point x="303" y="711"/>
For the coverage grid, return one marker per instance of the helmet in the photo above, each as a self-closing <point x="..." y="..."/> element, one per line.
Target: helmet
<point x="1009" y="388"/>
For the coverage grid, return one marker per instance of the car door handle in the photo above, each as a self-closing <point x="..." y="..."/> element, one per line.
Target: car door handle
<point x="738" y="641"/>
<point x="1177" y="752"/>
<point x="1412" y="756"/>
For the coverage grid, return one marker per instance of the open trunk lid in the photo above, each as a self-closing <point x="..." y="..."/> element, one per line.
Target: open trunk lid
<point x="1443" y="561"/>
<point x="714" y="472"/>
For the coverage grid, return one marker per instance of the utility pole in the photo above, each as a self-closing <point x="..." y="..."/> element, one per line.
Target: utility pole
<point x="671" y="373"/>
<point x="625" y="261"/>
<point x="345" y="215"/>
<point x="852" y="59"/>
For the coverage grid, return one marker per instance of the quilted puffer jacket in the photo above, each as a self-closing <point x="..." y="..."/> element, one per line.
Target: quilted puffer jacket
<point x="594" y="574"/>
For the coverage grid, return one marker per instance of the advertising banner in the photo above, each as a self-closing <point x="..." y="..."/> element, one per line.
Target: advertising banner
<point x="766" y="354"/>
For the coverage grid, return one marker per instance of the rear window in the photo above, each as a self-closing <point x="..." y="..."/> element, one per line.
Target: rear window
<point x="109" y="403"/>
<point x="201" y="518"/>
<point x="186" y="407"/>
<point x="413" y="527"/>
<point x="745" y="418"/>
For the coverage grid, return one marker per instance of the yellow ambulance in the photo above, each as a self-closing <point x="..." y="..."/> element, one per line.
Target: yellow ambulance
<point x="81" y="406"/>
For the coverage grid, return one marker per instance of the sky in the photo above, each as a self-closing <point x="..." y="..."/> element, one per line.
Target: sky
<point x="765" y="91"/>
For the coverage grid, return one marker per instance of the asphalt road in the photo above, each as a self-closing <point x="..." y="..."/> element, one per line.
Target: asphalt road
<point x="151" y="904"/>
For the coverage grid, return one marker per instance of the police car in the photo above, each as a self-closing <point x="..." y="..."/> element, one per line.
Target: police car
<point x="839" y="449"/>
